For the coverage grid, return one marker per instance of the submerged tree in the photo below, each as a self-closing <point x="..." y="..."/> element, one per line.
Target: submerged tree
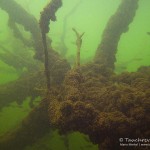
<point x="94" y="101"/>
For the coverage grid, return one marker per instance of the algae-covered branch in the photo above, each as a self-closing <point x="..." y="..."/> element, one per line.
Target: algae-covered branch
<point x="116" y="26"/>
<point x="47" y="15"/>
<point x="19" y="15"/>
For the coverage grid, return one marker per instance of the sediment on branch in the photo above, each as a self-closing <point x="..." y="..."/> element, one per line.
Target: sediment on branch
<point x="116" y="26"/>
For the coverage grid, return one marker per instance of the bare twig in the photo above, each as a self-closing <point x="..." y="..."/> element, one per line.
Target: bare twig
<point x="78" y="44"/>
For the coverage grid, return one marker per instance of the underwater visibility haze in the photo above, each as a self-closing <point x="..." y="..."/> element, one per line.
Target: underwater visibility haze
<point x="74" y="75"/>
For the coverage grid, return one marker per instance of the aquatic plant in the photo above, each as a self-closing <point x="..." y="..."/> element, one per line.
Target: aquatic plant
<point x="94" y="101"/>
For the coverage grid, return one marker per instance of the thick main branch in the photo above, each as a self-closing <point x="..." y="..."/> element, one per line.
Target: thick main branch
<point x="116" y="26"/>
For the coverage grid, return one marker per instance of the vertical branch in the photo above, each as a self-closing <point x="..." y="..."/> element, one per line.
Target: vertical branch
<point x="46" y="15"/>
<point x="64" y="31"/>
<point x="78" y="44"/>
<point x="46" y="62"/>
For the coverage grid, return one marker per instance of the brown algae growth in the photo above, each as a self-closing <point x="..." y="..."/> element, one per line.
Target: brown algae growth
<point x="89" y="98"/>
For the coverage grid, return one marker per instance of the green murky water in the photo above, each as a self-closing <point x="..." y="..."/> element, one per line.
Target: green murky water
<point x="86" y="16"/>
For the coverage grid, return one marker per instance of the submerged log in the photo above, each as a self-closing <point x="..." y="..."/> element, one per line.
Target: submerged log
<point x="116" y="26"/>
<point x="104" y="107"/>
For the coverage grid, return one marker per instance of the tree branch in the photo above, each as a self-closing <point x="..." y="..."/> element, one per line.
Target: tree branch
<point x="116" y="26"/>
